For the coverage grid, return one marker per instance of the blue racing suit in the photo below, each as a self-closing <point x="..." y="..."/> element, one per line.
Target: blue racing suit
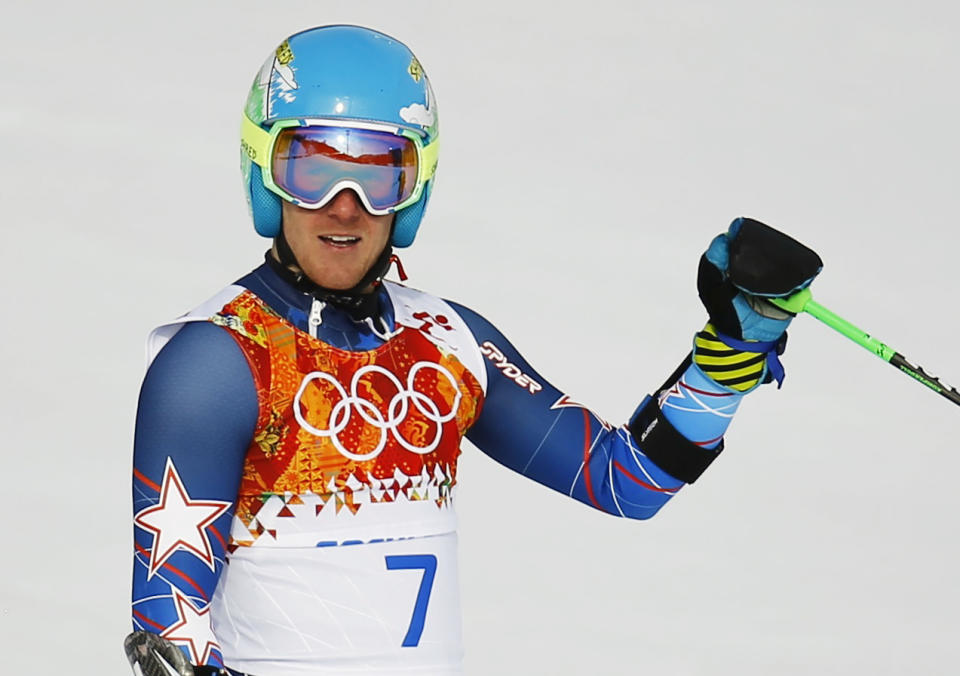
<point x="295" y="469"/>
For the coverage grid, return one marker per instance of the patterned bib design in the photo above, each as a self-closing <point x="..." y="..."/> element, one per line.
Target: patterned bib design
<point x="341" y="432"/>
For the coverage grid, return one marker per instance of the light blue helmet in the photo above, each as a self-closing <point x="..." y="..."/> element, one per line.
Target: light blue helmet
<point x="339" y="72"/>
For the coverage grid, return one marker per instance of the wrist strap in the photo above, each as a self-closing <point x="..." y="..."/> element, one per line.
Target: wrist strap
<point x="772" y="348"/>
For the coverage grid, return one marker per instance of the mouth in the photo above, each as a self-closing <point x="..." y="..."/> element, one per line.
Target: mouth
<point x="339" y="241"/>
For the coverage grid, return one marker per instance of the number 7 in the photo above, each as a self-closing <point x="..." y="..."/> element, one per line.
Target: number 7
<point x="428" y="564"/>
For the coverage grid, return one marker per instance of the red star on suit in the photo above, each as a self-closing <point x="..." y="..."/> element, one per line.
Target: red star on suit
<point x="192" y="628"/>
<point x="178" y="522"/>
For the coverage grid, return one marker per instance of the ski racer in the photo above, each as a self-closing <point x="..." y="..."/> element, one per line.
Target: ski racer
<point x="297" y="435"/>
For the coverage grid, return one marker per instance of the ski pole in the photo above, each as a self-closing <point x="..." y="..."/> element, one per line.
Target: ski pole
<point x="802" y="301"/>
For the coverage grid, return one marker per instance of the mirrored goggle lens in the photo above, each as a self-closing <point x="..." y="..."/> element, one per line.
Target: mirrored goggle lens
<point x="309" y="161"/>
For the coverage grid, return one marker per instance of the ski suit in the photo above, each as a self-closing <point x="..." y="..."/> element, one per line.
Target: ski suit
<point x="295" y="472"/>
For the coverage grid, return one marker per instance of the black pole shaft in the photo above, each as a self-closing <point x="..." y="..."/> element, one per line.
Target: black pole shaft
<point x="917" y="372"/>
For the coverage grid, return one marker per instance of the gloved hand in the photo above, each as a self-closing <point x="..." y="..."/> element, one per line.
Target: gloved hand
<point x="742" y="267"/>
<point x="151" y="655"/>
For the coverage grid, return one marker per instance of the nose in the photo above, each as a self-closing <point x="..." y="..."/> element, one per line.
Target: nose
<point x="346" y="205"/>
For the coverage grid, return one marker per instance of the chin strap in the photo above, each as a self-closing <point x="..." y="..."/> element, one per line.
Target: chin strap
<point x="360" y="301"/>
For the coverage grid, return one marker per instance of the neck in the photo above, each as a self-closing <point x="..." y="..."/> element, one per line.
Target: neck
<point x="360" y="301"/>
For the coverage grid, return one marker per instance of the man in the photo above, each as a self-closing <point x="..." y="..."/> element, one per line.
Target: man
<point x="298" y="434"/>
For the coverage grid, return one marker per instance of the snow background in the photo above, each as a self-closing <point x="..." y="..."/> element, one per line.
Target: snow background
<point x="589" y="155"/>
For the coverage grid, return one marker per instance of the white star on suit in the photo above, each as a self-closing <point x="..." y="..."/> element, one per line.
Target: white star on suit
<point x="192" y="628"/>
<point x="177" y="522"/>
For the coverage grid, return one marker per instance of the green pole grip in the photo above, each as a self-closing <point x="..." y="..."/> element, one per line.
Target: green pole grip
<point x="802" y="301"/>
<point x="855" y="334"/>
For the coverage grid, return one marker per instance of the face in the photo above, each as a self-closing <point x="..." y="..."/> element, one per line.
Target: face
<point x="337" y="243"/>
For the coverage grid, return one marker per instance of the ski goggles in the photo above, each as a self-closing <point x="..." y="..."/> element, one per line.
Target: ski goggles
<point x="308" y="161"/>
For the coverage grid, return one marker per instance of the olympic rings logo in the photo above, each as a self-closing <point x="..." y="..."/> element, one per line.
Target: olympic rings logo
<point x="397" y="410"/>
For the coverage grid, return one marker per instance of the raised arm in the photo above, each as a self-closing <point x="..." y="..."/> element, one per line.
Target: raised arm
<point x="632" y="470"/>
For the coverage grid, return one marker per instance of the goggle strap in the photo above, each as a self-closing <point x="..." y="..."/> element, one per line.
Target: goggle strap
<point x="255" y="141"/>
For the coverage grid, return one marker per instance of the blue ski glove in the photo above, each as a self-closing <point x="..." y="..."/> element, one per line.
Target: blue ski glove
<point x="750" y="262"/>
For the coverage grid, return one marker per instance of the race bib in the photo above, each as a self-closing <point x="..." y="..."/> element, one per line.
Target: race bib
<point x="376" y="608"/>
